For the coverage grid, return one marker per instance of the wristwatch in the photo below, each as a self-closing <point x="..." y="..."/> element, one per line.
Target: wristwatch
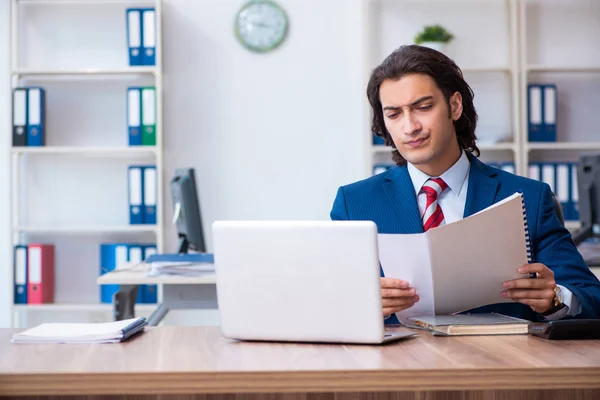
<point x="557" y="302"/>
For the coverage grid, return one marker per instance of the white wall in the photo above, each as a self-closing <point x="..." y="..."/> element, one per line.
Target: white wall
<point x="270" y="136"/>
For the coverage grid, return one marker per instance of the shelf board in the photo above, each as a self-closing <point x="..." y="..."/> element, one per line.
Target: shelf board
<point x="62" y="2"/>
<point x="381" y="149"/>
<point x="111" y="151"/>
<point x="90" y="307"/>
<point x="496" y="146"/>
<point x="87" y="229"/>
<point x="563" y="146"/>
<point x="88" y="72"/>
<point x="562" y="68"/>
<point x="468" y="69"/>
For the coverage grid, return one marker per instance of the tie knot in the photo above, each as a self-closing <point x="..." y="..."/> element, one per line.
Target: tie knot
<point x="434" y="186"/>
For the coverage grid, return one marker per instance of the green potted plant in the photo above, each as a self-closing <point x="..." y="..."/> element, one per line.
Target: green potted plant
<point x="434" y="36"/>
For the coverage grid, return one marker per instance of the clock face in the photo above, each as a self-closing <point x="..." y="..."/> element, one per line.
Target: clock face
<point x="261" y="25"/>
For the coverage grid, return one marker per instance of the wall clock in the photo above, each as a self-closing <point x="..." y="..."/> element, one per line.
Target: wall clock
<point x="261" y="25"/>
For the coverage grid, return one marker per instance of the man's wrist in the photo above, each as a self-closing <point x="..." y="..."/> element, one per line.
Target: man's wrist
<point x="557" y="303"/>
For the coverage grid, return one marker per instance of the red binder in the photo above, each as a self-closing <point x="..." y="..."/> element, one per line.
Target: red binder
<point x="40" y="284"/>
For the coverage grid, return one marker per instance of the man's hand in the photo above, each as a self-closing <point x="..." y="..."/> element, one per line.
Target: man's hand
<point x="537" y="293"/>
<point x="396" y="295"/>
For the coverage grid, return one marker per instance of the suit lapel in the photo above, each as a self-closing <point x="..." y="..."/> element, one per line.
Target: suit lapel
<point x="482" y="188"/>
<point x="400" y="191"/>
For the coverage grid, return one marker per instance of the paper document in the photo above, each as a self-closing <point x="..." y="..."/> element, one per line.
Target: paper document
<point x="459" y="266"/>
<point x="110" y="332"/>
<point x="181" y="269"/>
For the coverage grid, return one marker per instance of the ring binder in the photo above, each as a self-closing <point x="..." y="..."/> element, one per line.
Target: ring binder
<point x="527" y="236"/>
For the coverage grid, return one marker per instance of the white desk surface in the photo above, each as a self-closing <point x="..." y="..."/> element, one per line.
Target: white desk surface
<point x="138" y="277"/>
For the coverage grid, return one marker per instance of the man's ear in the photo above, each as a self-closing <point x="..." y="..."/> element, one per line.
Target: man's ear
<point x="456" y="107"/>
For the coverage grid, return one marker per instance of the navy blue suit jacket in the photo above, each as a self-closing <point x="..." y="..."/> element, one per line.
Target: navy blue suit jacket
<point x="389" y="200"/>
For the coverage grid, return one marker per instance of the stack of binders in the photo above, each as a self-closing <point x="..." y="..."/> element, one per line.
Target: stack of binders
<point x="142" y="194"/>
<point x="29" y="119"/>
<point x="34" y="274"/>
<point x="541" y="111"/>
<point x="141" y="36"/>
<point x="562" y="179"/>
<point x="116" y="255"/>
<point x="141" y="116"/>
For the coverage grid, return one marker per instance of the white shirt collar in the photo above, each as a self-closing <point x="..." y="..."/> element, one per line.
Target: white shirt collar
<point x="454" y="177"/>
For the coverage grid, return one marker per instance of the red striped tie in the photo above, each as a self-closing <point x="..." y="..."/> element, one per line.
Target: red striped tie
<point x="433" y="216"/>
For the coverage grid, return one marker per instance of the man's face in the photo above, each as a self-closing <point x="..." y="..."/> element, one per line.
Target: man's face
<point x="420" y="122"/>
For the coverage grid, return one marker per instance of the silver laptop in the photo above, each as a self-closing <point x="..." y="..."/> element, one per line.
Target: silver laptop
<point x="300" y="281"/>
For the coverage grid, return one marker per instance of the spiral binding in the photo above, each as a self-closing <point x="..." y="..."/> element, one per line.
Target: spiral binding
<point x="527" y="236"/>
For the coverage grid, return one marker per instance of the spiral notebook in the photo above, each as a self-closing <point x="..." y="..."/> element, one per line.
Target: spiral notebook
<point x="461" y="265"/>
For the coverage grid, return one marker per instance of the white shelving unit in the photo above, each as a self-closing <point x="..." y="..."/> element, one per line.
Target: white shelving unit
<point x="92" y="150"/>
<point x="526" y="46"/>
<point x="553" y="55"/>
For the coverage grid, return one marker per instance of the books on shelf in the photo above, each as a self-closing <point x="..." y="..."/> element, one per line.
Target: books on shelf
<point x="141" y="36"/>
<point x="562" y="179"/>
<point x="114" y="256"/>
<point x="29" y="119"/>
<point x="141" y="116"/>
<point x="33" y="266"/>
<point x="142" y="183"/>
<point x="541" y="112"/>
<point x="78" y="333"/>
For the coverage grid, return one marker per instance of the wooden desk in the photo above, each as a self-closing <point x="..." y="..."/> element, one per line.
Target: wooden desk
<point x="198" y="360"/>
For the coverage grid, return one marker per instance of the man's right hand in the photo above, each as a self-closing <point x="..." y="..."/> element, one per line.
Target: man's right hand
<point x="396" y="295"/>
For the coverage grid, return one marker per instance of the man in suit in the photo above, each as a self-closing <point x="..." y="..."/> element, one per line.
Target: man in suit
<point x="423" y="108"/>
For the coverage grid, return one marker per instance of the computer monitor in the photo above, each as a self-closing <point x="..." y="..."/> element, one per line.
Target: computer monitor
<point x="186" y="211"/>
<point x="588" y="183"/>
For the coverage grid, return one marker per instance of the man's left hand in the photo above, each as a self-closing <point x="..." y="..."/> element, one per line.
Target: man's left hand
<point x="537" y="293"/>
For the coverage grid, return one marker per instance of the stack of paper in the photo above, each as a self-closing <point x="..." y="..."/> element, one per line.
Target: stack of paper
<point x="111" y="332"/>
<point x="181" y="269"/>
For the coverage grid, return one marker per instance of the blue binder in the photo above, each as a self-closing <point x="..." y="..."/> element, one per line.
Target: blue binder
<point x="111" y="255"/>
<point x="135" y="181"/>
<point x="134" y="35"/>
<point x="574" y="198"/>
<point x="36" y="116"/>
<point x="20" y="274"/>
<point x="563" y="188"/>
<point x="549" y="112"/>
<point x="507" y="166"/>
<point x="535" y="112"/>
<point x="134" y="115"/>
<point x="148" y="36"/>
<point x="150" y="295"/>
<point x="378" y="140"/>
<point x="150" y="194"/>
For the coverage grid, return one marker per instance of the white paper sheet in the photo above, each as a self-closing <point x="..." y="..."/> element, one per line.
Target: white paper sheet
<point x="406" y="257"/>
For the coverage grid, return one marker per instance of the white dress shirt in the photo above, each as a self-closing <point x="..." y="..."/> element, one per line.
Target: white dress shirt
<point x="452" y="202"/>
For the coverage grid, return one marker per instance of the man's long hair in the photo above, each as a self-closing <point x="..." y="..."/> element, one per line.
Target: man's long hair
<point x="414" y="59"/>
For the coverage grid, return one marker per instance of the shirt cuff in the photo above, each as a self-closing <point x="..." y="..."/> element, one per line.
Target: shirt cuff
<point x="572" y="306"/>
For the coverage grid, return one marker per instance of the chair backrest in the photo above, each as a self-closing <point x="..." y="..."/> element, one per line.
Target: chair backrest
<point x="558" y="209"/>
